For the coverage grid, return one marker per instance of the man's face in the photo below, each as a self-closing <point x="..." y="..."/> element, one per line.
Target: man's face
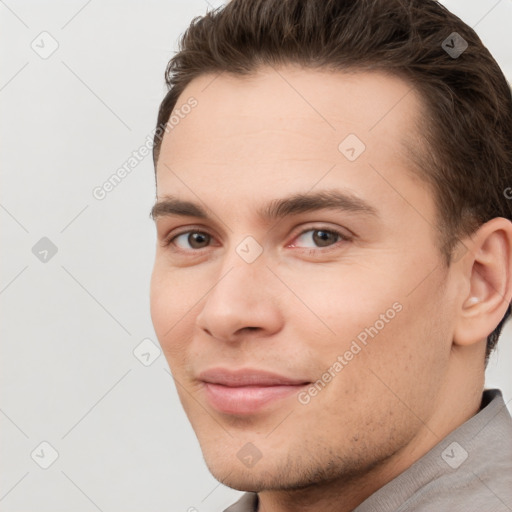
<point x="361" y="284"/>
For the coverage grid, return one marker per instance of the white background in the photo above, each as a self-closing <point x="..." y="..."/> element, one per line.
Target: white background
<point x="68" y="375"/>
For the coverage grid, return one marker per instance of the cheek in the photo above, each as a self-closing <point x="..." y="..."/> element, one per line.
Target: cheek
<point x="389" y="338"/>
<point x="403" y="365"/>
<point x="160" y="294"/>
<point x="336" y="304"/>
<point x="169" y="307"/>
<point x="389" y="384"/>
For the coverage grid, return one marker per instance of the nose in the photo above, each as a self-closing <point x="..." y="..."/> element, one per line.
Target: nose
<point x="244" y="299"/>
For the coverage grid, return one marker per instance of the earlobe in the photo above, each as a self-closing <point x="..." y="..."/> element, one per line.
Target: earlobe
<point x="487" y="268"/>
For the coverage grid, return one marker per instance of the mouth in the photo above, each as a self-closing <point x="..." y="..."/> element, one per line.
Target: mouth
<point x="245" y="392"/>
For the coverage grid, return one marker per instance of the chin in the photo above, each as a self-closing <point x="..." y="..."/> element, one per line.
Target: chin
<point x="235" y="475"/>
<point x="241" y="479"/>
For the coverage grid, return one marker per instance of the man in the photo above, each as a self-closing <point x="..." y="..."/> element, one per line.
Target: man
<point x="334" y="259"/>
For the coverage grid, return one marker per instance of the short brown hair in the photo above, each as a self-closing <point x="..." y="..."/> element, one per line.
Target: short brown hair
<point x="468" y="123"/>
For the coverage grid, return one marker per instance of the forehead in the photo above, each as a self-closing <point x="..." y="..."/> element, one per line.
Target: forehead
<point x="286" y="126"/>
<point x="305" y="102"/>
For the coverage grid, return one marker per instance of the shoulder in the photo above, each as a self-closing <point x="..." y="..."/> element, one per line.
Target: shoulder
<point x="465" y="491"/>
<point x="478" y="471"/>
<point x="248" y="502"/>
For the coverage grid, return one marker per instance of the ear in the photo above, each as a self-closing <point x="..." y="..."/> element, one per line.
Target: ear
<point x="486" y="268"/>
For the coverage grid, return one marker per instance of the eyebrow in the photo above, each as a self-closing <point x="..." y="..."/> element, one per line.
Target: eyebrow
<point x="275" y="209"/>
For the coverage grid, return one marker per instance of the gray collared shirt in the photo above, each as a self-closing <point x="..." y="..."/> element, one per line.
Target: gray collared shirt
<point x="470" y="470"/>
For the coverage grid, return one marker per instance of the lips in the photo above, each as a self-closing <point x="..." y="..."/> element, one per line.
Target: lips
<point x="246" y="391"/>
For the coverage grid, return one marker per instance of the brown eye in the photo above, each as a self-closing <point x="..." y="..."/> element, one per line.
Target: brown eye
<point x="198" y="240"/>
<point x="317" y="238"/>
<point x="191" y="240"/>
<point x="324" y="238"/>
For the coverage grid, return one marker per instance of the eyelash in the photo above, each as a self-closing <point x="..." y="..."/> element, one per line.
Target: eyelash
<point x="168" y="241"/>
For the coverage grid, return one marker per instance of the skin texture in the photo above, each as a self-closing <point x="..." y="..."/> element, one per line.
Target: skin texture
<point x="299" y="306"/>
